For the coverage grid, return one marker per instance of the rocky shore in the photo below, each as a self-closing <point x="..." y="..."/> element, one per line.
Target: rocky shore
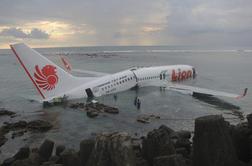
<point x="215" y="143"/>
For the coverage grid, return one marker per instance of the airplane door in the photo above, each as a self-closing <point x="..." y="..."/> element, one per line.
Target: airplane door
<point x="89" y="93"/>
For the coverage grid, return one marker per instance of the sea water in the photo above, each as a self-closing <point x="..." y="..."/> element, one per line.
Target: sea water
<point x="221" y="69"/>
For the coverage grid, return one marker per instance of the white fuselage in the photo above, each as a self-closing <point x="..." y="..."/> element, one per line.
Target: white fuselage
<point x="134" y="77"/>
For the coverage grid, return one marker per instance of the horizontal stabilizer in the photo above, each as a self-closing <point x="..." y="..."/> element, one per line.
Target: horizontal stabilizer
<point x="94" y="73"/>
<point x="69" y="68"/>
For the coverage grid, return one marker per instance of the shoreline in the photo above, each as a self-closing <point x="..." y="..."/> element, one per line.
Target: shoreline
<point x="215" y="143"/>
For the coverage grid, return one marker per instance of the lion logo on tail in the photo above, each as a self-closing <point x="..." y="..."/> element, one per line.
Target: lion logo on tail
<point x="46" y="78"/>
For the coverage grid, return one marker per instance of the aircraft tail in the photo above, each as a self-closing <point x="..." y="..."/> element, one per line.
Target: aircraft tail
<point x="49" y="79"/>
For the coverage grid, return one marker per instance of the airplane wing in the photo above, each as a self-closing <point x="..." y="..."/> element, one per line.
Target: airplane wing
<point x="69" y="68"/>
<point x="202" y="91"/>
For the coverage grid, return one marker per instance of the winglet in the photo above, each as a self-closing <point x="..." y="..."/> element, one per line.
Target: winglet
<point x="244" y="93"/>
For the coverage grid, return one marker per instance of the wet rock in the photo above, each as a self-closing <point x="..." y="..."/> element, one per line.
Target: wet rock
<point x="48" y="163"/>
<point x="15" y="126"/>
<point x="18" y="133"/>
<point x="5" y="112"/>
<point x="54" y="159"/>
<point x="39" y="125"/>
<point x="184" y="134"/>
<point x="3" y="139"/>
<point x="91" y="113"/>
<point x="183" y="151"/>
<point x="45" y="150"/>
<point x="112" y="150"/>
<point x="249" y="118"/>
<point x="33" y="160"/>
<point x="212" y="143"/>
<point x="147" y="118"/>
<point x="137" y="147"/>
<point x="111" y="110"/>
<point x="77" y="105"/>
<point x="70" y="158"/>
<point x="184" y="143"/>
<point x="60" y="149"/>
<point x="23" y="153"/>
<point x="158" y="143"/>
<point x="8" y="161"/>
<point x="143" y="119"/>
<point x="172" y="160"/>
<point x="102" y="108"/>
<point x="241" y="141"/>
<point x="86" y="147"/>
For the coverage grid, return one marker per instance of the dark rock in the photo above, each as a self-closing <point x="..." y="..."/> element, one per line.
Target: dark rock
<point x="47" y="163"/>
<point x="147" y="118"/>
<point x="54" y="159"/>
<point x="158" y="143"/>
<point x="143" y="119"/>
<point x="212" y="143"/>
<point x="60" y="149"/>
<point x="184" y="143"/>
<point x="182" y="151"/>
<point x="15" y="126"/>
<point x="8" y="161"/>
<point x="240" y="135"/>
<point x="33" y="160"/>
<point x="23" y="153"/>
<point x="70" y="158"/>
<point x="184" y="134"/>
<point x="250" y="147"/>
<point x="249" y="118"/>
<point x="172" y="160"/>
<point x="77" y="105"/>
<point x="4" y="112"/>
<point x="92" y="113"/>
<point x="3" y="139"/>
<point x="39" y="125"/>
<point x="112" y="150"/>
<point x="111" y="110"/>
<point x="18" y="134"/>
<point x="141" y="162"/>
<point x="45" y="150"/>
<point x="86" y="147"/>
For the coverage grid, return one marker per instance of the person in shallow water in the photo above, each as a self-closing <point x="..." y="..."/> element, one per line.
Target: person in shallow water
<point x="138" y="104"/>
<point x="135" y="101"/>
<point x="115" y="97"/>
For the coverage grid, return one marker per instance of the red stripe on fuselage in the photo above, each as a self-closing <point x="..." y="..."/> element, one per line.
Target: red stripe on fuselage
<point x="27" y="72"/>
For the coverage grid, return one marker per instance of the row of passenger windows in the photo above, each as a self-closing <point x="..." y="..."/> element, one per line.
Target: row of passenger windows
<point x="116" y="83"/>
<point x="148" y="78"/>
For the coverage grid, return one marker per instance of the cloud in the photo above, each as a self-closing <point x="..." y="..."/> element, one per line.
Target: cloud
<point x="38" y="34"/>
<point x="150" y="29"/>
<point x="131" y="22"/>
<point x="15" y="32"/>
<point x="35" y="33"/>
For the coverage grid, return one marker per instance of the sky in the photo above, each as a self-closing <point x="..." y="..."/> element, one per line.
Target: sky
<point x="65" y="23"/>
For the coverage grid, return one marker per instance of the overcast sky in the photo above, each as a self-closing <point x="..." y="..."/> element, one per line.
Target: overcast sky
<point x="50" y="23"/>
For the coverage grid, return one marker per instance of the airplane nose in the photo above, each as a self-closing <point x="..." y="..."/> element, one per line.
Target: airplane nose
<point x="194" y="73"/>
